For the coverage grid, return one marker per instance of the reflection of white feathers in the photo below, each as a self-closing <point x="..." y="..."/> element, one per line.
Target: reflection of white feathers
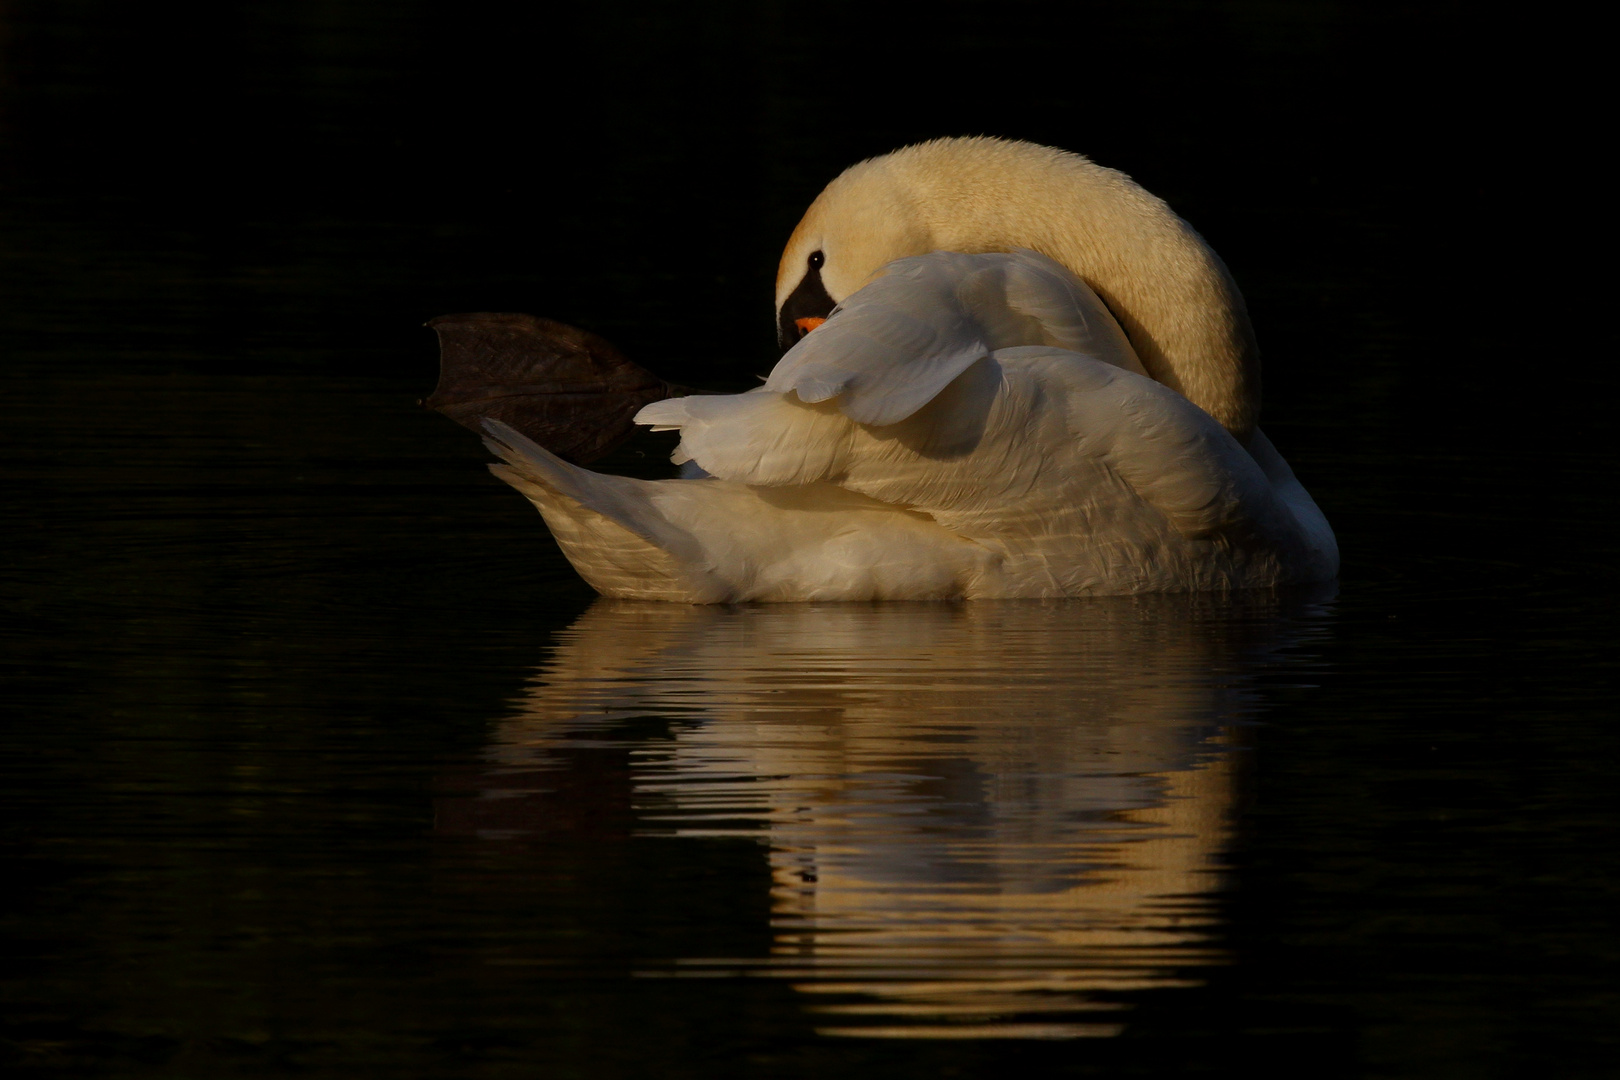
<point x="921" y="744"/>
<point x="964" y="426"/>
<point x="971" y="810"/>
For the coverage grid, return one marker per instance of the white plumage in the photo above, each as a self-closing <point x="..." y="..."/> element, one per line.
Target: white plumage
<point x="962" y="426"/>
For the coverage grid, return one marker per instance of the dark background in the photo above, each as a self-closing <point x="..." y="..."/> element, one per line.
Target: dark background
<point x="260" y="184"/>
<point x="258" y="606"/>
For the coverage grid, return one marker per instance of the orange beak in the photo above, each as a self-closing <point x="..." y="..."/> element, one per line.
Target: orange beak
<point x="807" y="325"/>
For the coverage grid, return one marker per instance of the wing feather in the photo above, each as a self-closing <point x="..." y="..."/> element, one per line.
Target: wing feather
<point x="890" y="348"/>
<point x="1069" y="314"/>
<point x="755" y="438"/>
<point x="893" y="346"/>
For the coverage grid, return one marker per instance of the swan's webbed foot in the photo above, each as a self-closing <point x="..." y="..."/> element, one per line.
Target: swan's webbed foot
<point x="567" y="389"/>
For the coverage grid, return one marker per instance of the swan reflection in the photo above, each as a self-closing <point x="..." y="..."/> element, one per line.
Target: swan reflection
<point x="982" y="819"/>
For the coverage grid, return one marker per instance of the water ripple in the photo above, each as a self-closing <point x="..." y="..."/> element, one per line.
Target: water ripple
<point x="981" y="820"/>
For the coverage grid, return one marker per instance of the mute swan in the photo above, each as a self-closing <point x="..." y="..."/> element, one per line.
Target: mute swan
<point x="959" y="414"/>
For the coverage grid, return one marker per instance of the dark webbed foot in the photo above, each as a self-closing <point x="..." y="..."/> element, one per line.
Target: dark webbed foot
<point x="567" y="389"/>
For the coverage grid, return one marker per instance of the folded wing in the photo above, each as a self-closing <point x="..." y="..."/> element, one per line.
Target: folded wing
<point x="891" y="347"/>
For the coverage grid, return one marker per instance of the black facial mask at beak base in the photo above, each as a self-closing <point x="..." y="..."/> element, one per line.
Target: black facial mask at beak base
<point x="808" y="301"/>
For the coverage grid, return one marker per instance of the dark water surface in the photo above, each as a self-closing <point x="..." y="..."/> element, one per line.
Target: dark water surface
<point x="318" y="759"/>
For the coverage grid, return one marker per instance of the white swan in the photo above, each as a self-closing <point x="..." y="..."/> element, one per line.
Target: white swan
<point x="970" y="421"/>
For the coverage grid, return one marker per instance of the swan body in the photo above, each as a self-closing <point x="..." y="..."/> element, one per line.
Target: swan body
<point x="968" y="418"/>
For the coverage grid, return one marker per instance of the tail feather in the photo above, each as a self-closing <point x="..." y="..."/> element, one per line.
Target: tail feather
<point x="606" y="525"/>
<point x="715" y="541"/>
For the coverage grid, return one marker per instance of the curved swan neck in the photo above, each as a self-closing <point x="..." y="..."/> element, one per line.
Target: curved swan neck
<point x="1172" y="294"/>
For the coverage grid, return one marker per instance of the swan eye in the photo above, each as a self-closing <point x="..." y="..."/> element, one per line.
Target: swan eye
<point x="816" y="259"/>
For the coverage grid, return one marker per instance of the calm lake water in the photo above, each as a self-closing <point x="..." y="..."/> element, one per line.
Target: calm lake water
<point x="319" y="759"/>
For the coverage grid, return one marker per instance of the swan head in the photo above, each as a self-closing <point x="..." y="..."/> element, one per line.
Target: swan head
<point x="861" y="222"/>
<point x="1170" y="293"/>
